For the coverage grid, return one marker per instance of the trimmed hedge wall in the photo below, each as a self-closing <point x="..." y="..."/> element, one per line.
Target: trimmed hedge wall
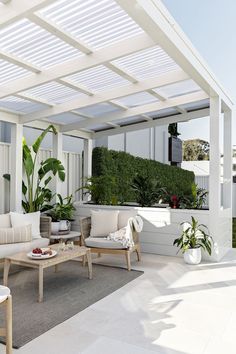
<point x="234" y="233"/>
<point x="123" y="167"/>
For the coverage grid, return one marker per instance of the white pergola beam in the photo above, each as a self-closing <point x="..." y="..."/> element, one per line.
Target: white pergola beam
<point x="60" y="33"/>
<point x="153" y="123"/>
<point x="101" y="56"/>
<point x="9" y="117"/>
<point x="34" y="99"/>
<point x="18" y="9"/>
<point x="20" y="62"/>
<point x="121" y="72"/>
<point x="137" y="111"/>
<point x="156" y="21"/>
<point x="75" y="86"/>
<point x="174" y="76"/>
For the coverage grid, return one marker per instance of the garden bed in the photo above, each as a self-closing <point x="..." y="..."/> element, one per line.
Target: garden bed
<point x="161" y="225"/>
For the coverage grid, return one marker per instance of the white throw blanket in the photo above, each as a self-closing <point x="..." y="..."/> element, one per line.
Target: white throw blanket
<point x="124" y="235"/>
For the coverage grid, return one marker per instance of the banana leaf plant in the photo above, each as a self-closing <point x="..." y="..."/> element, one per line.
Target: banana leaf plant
<point x="36" y="193"/>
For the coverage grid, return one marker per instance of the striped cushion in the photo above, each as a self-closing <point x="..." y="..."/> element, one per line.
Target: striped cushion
<point x="16" y="234"/>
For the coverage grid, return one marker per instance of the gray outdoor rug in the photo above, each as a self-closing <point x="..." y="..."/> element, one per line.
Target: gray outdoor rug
<point x="65" y="294"/>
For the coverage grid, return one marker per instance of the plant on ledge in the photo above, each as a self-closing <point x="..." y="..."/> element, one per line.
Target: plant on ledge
<point x="147" y="191"/>
<point x="36" y="193"/>
<point x="193" y="238"/>
<point x="63" y="209"/>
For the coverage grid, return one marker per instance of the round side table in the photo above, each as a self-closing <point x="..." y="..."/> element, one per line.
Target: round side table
<point x="76" y="235"/>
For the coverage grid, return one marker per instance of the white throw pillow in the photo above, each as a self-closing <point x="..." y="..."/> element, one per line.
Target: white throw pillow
<point x="5" y="221"/>
<point x="26" y="219"/>
<point x="103" y="222"/>
<point x="124" y="216"/>
<point x="18" y="234"/>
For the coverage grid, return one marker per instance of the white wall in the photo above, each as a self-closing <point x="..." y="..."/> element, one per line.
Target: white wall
<point x="149" y="143"/>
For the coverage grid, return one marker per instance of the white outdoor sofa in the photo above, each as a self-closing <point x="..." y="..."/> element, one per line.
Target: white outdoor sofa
<point x="12" y="248"/>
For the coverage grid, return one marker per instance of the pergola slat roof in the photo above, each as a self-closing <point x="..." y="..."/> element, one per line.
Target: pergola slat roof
<point x="99" y="65"/>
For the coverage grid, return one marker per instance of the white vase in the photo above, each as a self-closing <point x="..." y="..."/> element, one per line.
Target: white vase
<point x="193" y="256"/>
<point x="55" y="227"/>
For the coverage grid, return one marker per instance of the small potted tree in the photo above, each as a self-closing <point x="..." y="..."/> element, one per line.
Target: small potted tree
<point x="193" y="238"/>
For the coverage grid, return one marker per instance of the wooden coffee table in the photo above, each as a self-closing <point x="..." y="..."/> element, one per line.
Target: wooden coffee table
<point x="61" y="257"/>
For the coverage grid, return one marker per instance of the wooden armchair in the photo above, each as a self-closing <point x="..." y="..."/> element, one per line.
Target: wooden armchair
<point x="85" y="227"/>
<point x="45" y="226"/>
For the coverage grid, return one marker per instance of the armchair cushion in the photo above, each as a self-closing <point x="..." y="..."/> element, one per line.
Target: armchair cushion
<point x="103" y="222"/>
<point x="99" y="242"/>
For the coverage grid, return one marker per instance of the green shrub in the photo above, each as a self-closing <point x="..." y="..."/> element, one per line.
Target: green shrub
<point x="123" y="167"/>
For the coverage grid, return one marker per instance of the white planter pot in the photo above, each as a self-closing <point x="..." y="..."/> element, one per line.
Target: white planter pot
<point x="55" y="227"/>
<point x="193" y="256"/>
<point x="64" y="225"/>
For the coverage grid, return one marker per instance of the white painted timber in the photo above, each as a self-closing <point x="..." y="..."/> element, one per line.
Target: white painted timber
<point x="130" y="89"/>
<point x="227" y="160"/>
<point x="62" y="34"/>
<point x="136" y="111"/>
<point x="57" y="152"/>
<point x="4" y="185"/>
<point x="156" y="21"/>
<point x="101" y="56"/>
<point x="18" y="9"/>
<point x="20" y="62"/>
<point x="154" y="123"/>
<point x="16" y="167"/>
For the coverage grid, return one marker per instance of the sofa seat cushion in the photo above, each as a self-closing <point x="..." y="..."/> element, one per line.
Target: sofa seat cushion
<point x="12" y="248"/>
<point x="99" y="242"/>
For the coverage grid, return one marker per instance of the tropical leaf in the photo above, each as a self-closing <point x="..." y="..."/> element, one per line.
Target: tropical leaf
<point x="39" y="140"/>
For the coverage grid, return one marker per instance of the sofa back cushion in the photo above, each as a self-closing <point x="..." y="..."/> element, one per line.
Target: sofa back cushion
<point x="124" y="216"/>
<point x="103" y="222"/>
<point x="16" y="234"/>
<point x="5" y="220"/>
<point x="18" y="219"/>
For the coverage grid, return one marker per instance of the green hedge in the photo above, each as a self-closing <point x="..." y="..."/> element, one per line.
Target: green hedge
<point x="122" y="166"/>
<point x="234" y="233"/>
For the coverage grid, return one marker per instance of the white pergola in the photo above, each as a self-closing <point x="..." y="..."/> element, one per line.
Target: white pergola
<point x="102" y="67"/>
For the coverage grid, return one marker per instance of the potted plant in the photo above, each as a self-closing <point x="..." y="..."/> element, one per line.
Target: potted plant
<point x="193" y="238"/>
<point x="35" y="187"/>
<point x="62" y="215"/>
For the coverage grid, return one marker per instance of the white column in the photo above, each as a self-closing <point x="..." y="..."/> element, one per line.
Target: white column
<point x="87" y="170"/>
<point x="57" y="152"/>
<point x="228" y="163"/>
<point x="16" y="168"/>
<point x="214" y="180"/>
<point x="88" y="149"/>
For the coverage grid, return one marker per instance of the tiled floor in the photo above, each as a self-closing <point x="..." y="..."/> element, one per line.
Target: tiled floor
<point x="171" y="309"/>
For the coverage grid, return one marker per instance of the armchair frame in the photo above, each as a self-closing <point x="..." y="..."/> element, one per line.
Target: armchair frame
<point x="85" y="227"/>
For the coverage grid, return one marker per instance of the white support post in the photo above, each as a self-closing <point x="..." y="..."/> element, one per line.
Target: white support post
<point x="214" y="180"/>
<point x="87" y="170"/>
<point x="88" y="148"/>
<point x="228" y="163"/>
<point x="16" y="168"/>
<point x="57" y="151"/>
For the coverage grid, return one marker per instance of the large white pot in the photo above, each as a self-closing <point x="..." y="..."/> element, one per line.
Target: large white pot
<point x="193" y="256"/>
<point x="55" y="227"/>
